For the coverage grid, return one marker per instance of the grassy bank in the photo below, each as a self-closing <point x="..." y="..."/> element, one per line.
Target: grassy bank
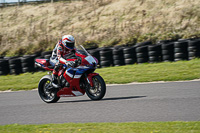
<point x="132" y="127"/>
<point x="166" y="71"/>
<point x="104" y="22"/>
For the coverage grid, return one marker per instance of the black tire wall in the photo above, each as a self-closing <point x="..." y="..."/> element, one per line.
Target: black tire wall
<point x="129" y="55"/>
<point x="4" y="67"/>
<point x="28" y="63"/>
<point x="15" y="66"/>
<point x="142" y="54"/>
<point x="154" y="52"/>
<point x="106" y="59"/>
<point x="181" y="50"/>
<point x="118" y="56"/>
<point x="194" y="49"/>
<point x="165" y="50"/>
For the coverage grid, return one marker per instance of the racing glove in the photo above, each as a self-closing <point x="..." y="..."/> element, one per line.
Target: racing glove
<point x="69" y="63"/>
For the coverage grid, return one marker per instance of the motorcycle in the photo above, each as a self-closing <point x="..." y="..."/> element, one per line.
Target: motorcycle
<point x="74" y="80"/>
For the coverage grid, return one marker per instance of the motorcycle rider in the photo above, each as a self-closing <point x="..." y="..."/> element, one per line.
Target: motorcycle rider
<point x="63" y="49"/>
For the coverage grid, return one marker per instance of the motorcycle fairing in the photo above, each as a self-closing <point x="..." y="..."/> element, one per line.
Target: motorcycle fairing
<point x="73" y="90"/>
<point x="89" y="76"/>
<point x="72" y="75"/>
<point x="44" y="63"/>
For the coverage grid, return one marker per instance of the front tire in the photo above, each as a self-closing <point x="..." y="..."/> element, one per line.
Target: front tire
<point x="98" y="91"/>
<point x="47" y="95"/>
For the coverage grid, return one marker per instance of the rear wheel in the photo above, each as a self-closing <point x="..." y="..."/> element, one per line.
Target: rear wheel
<point x="98" y="91"/>
<point x="46" y="92"/>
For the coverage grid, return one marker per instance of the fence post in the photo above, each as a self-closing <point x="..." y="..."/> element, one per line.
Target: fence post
<point x="51" y="1"/>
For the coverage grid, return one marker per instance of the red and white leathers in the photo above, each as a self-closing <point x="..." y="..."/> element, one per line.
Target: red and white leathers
<point x="59" y="56"/>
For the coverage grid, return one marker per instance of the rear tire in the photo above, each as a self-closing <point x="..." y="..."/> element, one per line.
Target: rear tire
<point x="46" y="94"/>
<point x="99" y="90"/>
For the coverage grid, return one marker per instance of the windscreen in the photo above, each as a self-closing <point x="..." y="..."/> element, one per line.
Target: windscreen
<point x="80" y="49"/>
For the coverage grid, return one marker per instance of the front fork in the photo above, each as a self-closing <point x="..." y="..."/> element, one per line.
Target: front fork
<point x="89" y="78"/>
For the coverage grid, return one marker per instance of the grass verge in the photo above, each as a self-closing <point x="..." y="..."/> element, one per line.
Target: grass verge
<point x="132" y="127"/>
<point x="165" y="71"/>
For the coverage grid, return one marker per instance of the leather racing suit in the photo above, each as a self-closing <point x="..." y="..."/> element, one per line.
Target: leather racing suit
<point x="59" y="55"/>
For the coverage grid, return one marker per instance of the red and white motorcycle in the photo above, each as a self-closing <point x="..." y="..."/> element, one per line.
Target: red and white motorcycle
<point x="74" y="81"/>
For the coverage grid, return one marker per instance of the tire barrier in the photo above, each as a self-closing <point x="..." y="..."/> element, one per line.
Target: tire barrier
<point x="154" y="52"/>
<point x="118" y="56"/>
<point x="193" y="49"/>
<point x="129" y="55"/>
<point x="28" y="63"/>
<point x="142" y="54"/>
<point x="165" y="50"/>
<point x="4" y="67"/>
<point x="15" y="66"/>
<point x="106" y="59"/>
<point x="180" y="50"/>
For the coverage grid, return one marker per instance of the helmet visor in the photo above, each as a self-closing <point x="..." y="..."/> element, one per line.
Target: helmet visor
<point x="69" y="45"/>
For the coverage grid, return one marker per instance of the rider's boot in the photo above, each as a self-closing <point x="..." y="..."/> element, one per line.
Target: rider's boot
<point x="55" y="81"/>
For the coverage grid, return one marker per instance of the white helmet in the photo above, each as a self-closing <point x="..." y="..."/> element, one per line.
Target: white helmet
<point x="68" y="41"/>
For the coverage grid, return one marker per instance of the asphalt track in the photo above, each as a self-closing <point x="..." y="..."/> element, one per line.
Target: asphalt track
<point x="171" y="101"/>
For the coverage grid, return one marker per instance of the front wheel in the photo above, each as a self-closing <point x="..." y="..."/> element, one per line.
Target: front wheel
<point x="98" y="91"/>
<point x="46" y="92"/>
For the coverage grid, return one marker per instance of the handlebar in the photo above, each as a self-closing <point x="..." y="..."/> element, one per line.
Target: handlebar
<point x="75" y="63"/>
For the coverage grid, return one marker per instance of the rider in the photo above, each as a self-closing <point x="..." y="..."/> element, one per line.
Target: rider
<point x="63" y="49"/>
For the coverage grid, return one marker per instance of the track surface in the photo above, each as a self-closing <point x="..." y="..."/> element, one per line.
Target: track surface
<point x="172" y="101"/>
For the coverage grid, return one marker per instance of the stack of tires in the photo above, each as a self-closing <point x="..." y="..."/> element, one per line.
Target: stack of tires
<point x="4" y="67"/>
<point x="181" y="50"/>
<point x="95" y="53"/>
<point x="129" y="55"/>
<point x="154" y="52"/>
<point x="118" y="56"/>
<point x="28" y="63"/>
<point x="15" y="65"/>
<point x="167" y="52"/>
<point x="193" y="49"/>
<point x="106" y="57"/>
<point x="46" y="54"/>
<point x="142" y="54"/>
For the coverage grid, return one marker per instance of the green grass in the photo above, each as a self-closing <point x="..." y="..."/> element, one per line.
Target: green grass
<point x="166" y="71"/>
<point x="24" y="81"/>
<point x="132" y="127"/>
